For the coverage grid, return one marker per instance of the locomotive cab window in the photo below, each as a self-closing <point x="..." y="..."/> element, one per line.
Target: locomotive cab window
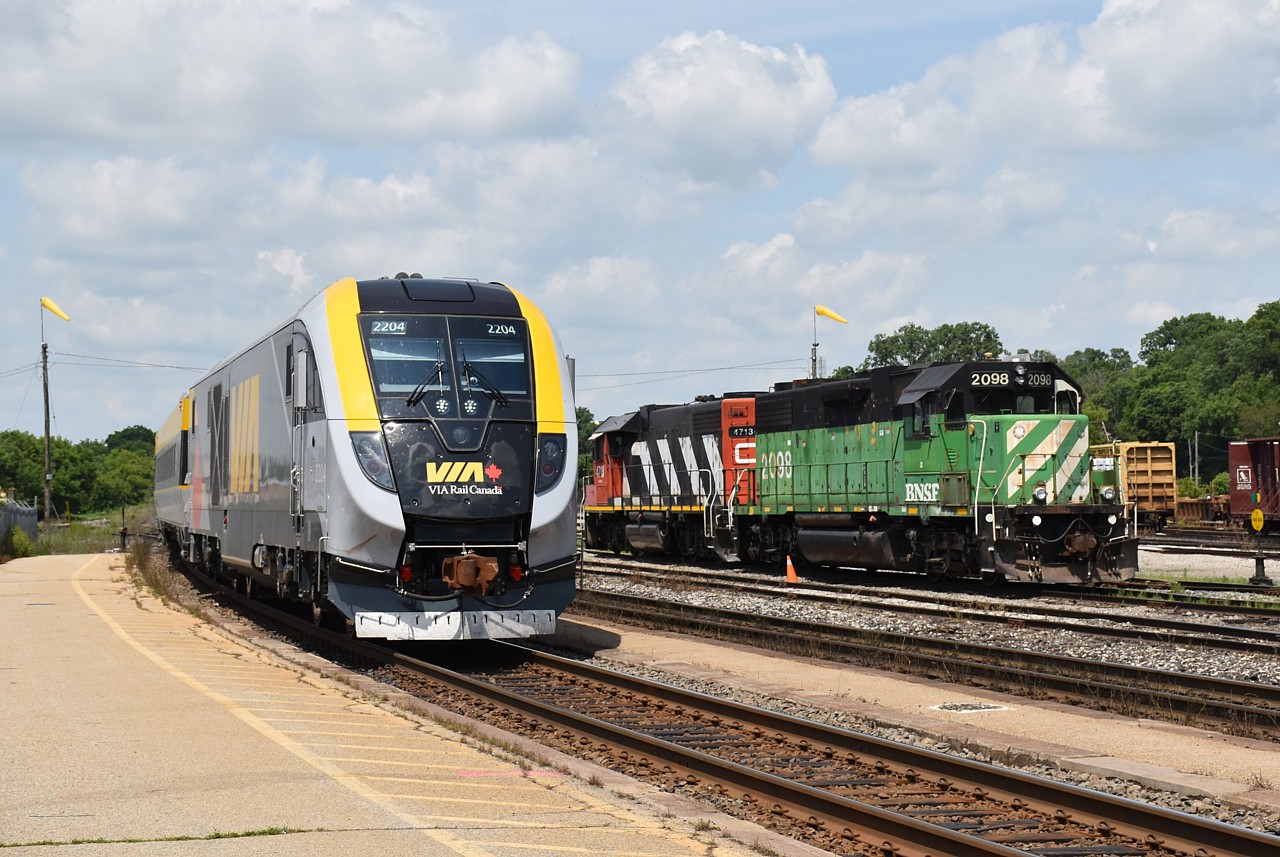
<point x="918" y="418"/>
<point x="954" y="410"/>
<point x="448" y="367"/>
<point x="1006" y="401"/>
<point x="490" y="354"/>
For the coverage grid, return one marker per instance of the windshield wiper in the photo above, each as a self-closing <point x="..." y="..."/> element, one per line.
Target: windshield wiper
<point x="470" y="373"/>
<point x="420" y="391"/>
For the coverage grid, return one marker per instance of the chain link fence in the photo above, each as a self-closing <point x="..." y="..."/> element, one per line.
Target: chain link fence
<point x="15" y="514"/>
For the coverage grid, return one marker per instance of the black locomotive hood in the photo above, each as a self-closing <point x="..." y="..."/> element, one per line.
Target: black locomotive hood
<point x="495" y="481"/>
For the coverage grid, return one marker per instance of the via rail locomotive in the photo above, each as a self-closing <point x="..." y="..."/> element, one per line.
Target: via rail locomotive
<point x="400" y="452"/>
<point x="977" y="470"/>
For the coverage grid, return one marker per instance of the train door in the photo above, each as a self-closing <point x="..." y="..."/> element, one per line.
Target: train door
<point x="739" y="445"/>
<point x="307" y="491"/>
<point x="296" y="401"/>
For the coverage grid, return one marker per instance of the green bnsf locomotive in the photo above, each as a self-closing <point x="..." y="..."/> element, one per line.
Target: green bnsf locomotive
<point x="978" y="470"/>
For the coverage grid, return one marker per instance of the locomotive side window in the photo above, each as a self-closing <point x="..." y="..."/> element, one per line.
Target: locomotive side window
<point x="954" y="409"/>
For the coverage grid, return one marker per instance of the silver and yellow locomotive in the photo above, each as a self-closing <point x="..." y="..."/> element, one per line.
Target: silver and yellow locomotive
<point x="402" y="452"/>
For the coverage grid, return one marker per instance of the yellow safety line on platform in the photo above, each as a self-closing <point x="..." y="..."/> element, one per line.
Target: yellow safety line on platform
<point x="350" y="781"/>
<point x="354" y="783"/>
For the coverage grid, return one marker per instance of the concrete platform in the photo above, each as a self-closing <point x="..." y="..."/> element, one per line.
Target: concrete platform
<point x="136" y="729"/>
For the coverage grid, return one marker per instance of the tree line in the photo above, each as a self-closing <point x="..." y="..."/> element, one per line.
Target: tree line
<point x="1198" y="381"/>
<point x="89" y="476"/>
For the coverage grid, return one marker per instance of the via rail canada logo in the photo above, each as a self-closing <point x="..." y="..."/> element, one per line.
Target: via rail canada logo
<point x="462" y="477"/>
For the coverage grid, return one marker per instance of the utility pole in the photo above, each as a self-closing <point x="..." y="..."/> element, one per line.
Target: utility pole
<point x="47" y="304"/>
<point x="1196" y="458"/>
<point x="48" y="460"/>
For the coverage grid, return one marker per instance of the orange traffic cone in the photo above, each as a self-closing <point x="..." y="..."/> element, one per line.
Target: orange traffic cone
<point x="791" y="571"/>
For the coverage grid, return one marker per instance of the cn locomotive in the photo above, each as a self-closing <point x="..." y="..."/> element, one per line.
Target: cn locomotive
<point x="400" y="454"/>
<point x="975" y="470"/>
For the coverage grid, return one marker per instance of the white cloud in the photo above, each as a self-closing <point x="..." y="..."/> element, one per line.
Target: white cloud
<point x="1206" y="236"/>
<point x="1147" y="75"/>
<point x="1188" y="69"/>
<point x="723" y="109"/>
<point x="289" y="264"/>
<point x="878" y="281"/>
<point x="214" y="74"/>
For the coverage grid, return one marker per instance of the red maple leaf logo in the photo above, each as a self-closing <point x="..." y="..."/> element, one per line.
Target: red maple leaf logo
<point x="493" y="471"/>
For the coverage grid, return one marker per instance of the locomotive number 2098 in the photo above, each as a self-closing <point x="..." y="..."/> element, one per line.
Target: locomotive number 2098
<point x="1001" y="379"/>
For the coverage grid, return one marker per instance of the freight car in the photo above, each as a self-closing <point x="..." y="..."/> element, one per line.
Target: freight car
<point x="976" y="470"/>
<point x="1254" y="466"/>
<point x="1148" y="478"/>
<point x="400" y="454"/>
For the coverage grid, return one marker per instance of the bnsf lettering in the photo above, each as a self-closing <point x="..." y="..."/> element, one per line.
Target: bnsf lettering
<point x="922" y="493"/>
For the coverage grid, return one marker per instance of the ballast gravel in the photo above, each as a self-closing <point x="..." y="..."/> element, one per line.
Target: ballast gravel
<point x="1246" y="667"/>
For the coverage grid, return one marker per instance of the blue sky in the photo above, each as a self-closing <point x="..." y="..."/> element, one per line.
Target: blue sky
<point x="677" y="187"/>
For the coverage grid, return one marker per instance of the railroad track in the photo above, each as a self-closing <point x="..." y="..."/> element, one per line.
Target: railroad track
<point x="839" y="790"/>
<point x="1217" y="540"/>
<point x="1239" y="707"/>
<point x="1162" y="630"/>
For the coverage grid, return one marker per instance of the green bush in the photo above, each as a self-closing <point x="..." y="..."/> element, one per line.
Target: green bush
<point x="16" y="543"/>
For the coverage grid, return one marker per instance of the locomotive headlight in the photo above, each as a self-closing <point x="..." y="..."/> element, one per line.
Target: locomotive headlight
<point x="371" y="452"/>
<point x="1041" y="494"/>
<point x="1036" y="520"/>
<point x="1020" y="374"/>
<point x="551" y="452"/>
<point x="1108" y="493"/>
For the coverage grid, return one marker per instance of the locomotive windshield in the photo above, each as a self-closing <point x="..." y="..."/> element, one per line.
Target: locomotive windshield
<point x="448" y="367"/>
<point x="995" y="402"/>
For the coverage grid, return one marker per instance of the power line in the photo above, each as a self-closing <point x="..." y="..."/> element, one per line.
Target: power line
<point x="132" y="363"/>
<point x="685" y="371"/>
<point x="668" y="375"/>
<point x="28" y="368"/>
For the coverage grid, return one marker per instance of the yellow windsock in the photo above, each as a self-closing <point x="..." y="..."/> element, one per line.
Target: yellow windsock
<point x="832" y="314"/>
<point x="48" y="304"/>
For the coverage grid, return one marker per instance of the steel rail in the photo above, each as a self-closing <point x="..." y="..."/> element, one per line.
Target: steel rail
<point x="1167" y="630"/>
<point x="858" y="824"/>
<point x="1243" y="705"/>
<point x="1156" y="826"/>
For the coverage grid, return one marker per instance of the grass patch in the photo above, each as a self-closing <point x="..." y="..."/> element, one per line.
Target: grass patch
<point x="266" y="831"/>
<point x="1186" y="577"/>
<point x="91" y="533"/>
